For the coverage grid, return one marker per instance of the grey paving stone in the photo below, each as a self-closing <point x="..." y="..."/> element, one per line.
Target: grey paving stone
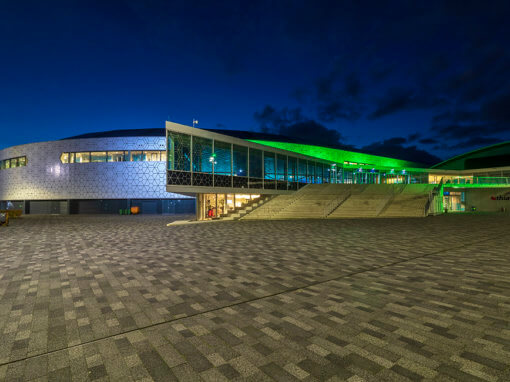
<point x="127" y="298"/>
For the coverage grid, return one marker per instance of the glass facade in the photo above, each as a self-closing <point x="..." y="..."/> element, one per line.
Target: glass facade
<point x="13" y="162"/>
<point x="199" y="161"/>
<point x="113" y="156"/>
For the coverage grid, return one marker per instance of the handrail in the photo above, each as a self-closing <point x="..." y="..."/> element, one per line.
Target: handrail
<point x="331" y="206"/>
<point x="432" y="194"/>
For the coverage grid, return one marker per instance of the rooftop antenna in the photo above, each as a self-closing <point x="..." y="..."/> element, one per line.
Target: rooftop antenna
<point x="195" y="122"/>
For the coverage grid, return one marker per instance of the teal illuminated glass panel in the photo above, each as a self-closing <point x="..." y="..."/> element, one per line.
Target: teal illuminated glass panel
<point x="311" y="172"/>
<point x="240" y="160"/>
<point x="302" y="171"/>
<point x="179" y="152"/>
<point x="281" y="167"/>
<point x="223" y="158"/>
<point x="203" y="158"/>
<point x="269" y="170"/>
<point x="318" y="173"/>
<point x="292" y="171"/>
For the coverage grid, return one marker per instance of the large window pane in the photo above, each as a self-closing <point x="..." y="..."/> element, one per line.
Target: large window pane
<point x="222" y="155"/>
<point x="292" y="171"/>
<point x="82" y="157"/>
<point x="240" y="160"/>
<point x="256" y="168"/>
<point x="222" y="164"/>
<point x="203" y="160"/>
<point x="327" y="173"/>
<point x="281" y="171"/>
<point x="302" y="171"/>
<point x="311" y="172"/>
<point x="269" y="170"/>
<point x="98" y="156"/>
<point x="115" y="156"/>
<point x="318" y="172"/>
<point x="179" y="146"/>
<point x="203" y="157"/>
<point x="240" y="166"/>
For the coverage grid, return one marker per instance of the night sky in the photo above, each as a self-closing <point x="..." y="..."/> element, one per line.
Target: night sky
<point x="413" y="80"/>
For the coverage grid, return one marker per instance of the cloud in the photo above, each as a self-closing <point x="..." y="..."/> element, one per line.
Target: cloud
<point x="271" y="119"/>
<point x="429" y="141"/>
<point x="490" y="123"/>
<point x="291" y="122"/>
<point x="413" y="137"/>
<point x="476" y="142"/>
<point x="313" y="132"/>
<point x="394" y="148"/>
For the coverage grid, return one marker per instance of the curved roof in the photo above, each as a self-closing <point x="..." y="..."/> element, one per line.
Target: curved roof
<point x="488" y="156"/>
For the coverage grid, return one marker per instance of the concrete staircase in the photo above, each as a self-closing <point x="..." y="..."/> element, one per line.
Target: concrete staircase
<point x="336" y="201"/>
<point x="411" y="202"/>
<point x="368" y="202"/>
<point x="271" y="208"/>
<point x="239" y="212"/>
<point x="316" y="202"/>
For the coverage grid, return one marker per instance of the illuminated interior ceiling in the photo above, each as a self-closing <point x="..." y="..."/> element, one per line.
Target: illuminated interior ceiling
<point x="354" y="159"/>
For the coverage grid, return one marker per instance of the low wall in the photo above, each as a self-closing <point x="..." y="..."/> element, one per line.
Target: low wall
<point x="488" y="200"/>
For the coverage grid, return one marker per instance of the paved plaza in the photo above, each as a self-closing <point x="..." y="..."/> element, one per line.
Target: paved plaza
<point x="126" y="298"/>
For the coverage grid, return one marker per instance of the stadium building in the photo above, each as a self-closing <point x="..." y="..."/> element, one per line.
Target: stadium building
<point x="238" y="174"/>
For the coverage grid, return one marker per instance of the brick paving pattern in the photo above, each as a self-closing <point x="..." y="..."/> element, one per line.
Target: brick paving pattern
<point x="125" y="298"/>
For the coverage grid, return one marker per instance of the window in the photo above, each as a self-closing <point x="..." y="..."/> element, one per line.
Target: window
<point x="152" y="156"/>
<point x="136" y="156"/>
<point x="13" y="163"/>
<point x="222" y="155"/>
<point x="82" y="157"/>
<point x="269" y="170"/>
<point x="203" y="157"/>
<point x="64" y="158"/>
<point x="179" y="149"/>
<point x="222" y="164"/>
<point x="115" y="156"/>
<point x="98" y="156"/>
<point x="240" y="160"/>
<point x="301" y="170"/>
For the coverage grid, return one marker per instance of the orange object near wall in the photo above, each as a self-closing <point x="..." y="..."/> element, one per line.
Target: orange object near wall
<point x="135" y="210"/>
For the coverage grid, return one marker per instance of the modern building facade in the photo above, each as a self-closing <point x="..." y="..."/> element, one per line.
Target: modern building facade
<point x="222" y="168"/>
<point x="98" y="173"/>
<point x="183" y="169"/>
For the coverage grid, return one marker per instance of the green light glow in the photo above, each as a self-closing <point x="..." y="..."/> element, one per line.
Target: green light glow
<point x="485" y="185"/>
<point x="341" y="156"/>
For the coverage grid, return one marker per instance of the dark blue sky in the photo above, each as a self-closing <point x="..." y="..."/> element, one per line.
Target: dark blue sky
<point x="415" y="81"/>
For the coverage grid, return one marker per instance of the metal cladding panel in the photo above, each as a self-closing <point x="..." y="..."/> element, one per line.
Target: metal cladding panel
<point x="46" y="178"/>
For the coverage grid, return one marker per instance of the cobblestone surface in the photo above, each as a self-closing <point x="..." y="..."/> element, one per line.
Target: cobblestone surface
<point x="125" y="298"/>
